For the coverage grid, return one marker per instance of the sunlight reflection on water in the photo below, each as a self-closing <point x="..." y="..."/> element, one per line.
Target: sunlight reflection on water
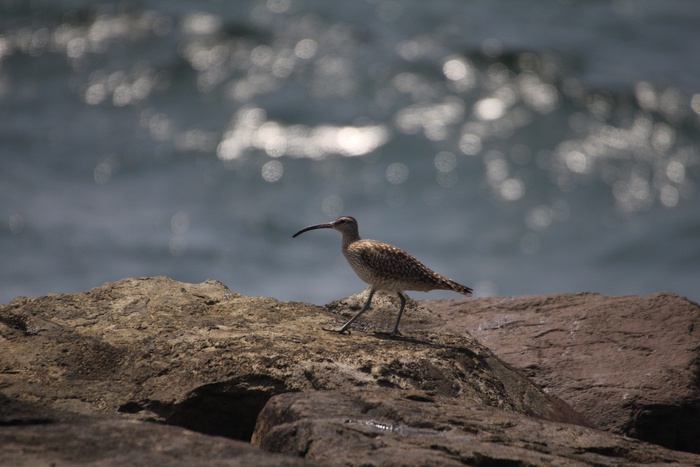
<point x="638" y="155"/>
<point x="251" y="131"/>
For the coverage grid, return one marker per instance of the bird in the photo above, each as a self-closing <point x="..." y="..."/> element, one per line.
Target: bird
<point x="384" y="267"/>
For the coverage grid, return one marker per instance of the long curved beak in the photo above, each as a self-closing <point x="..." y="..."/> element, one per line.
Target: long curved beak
<point x="314" y="227"/>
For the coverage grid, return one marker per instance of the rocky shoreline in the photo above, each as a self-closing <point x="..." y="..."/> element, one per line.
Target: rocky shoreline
<point x="149" y="371"/>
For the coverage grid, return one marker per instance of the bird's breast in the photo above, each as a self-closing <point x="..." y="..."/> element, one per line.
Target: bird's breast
<point x="361" y="268"/>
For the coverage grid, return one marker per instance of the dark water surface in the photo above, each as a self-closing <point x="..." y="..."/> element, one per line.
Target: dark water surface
<point x="516" y="147"/>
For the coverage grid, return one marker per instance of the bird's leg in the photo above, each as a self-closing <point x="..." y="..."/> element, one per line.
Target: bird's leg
<point x="398" y="318"/>
<point x="357" y="315"/>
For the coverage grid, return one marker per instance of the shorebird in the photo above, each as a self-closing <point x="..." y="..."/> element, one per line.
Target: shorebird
<point x="384" y="267"/>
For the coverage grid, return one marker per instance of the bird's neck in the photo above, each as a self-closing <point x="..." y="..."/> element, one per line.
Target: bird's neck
<point x="349" y="238"/>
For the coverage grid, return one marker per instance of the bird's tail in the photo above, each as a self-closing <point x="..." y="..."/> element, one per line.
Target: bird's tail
<point x="459" y="288"/>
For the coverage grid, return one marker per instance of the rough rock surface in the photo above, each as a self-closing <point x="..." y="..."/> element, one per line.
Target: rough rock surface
<point x="398" y="427"/>
<point x="37" y="436"/>
<point x="204" y="358"/>
<point x="629" y="364"/>
<point x="97" y="366"/>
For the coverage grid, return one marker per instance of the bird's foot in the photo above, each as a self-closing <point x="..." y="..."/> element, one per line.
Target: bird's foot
<point x="337" y="331"/>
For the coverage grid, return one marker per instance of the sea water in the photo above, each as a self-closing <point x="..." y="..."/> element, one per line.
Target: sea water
<point x="515" y="147"/>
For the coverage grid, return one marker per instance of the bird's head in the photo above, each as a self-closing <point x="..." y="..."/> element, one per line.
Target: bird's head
<point x="344" y="224"/>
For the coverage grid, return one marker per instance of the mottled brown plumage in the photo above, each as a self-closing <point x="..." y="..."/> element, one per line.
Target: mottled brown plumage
<point x="385" y="267"/>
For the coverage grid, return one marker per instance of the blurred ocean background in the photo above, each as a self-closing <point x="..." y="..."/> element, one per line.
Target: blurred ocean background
<point x="516" y="147"/>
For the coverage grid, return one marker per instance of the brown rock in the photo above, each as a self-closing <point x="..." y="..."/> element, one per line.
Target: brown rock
<point x="631" y="364"/>
<point x="398" y="427"/>
<point x="202" y="357"/>
<point x="35" y="436"/>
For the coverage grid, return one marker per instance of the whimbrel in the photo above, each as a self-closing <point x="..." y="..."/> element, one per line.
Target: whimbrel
<point x="384" y="267"/>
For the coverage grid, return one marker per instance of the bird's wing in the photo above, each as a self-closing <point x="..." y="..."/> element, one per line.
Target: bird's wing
<point x="394" y="263"/>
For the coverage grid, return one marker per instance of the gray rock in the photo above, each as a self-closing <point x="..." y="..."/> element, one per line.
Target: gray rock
<point x="372" y="427"/>
<point x="630" y="365"/>
<point x="32" y="436"/>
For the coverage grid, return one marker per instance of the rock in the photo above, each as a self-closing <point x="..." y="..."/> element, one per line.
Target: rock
<point x="81" y="375"/>
<point x="369" y="426"/>
<point x="32" y="435"/>
<point x="204" y="358"/>
<point x="630" y="364"/>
